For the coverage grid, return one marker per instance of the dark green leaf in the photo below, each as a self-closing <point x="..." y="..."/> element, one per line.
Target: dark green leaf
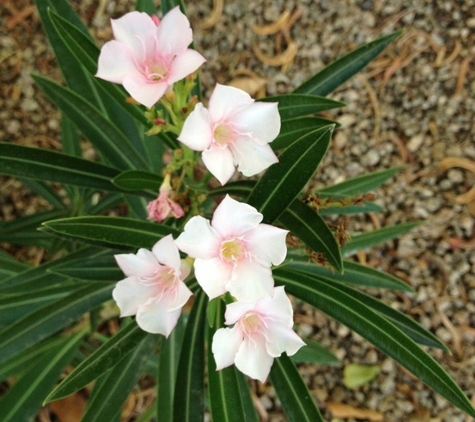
<point x="338" y="72"/>
<point x="365" y="207"/>
<point x="113" y="232"/>
<point x="46" y="191"/>
<point x="376" y="237"/>
<point x="138" y="180"/>
<point x="9" y="266"/>
<point x="314" y="352"/>
<point x="298" y="105"/>
<point x="100" y="362"/>
<point x="240" y="188"/>
<point x="147" y="6"/>
<point x="23" y="400"/>
<point x="296" y="400"/>
<point x="309" y="227"/>
<point x="189" y="387"/>
<point x="281" y="184"/>
<point x="331" y="299"/>
<point x="102" y="268"/>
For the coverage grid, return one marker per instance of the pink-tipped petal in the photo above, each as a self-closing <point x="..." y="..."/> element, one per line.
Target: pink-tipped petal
<point x="282" y="339"/>
<point x="138" y="31"/>
<point x="251" y="157"/>
<point x="196" y="133"/>
<point x="167" y="253"/>
<point x="220" y="162"/>
<point x="142" y="264"/>
<point x="174" y="34"/>
<point x="199" y="239"/>
<point x="232" y="218"/>
<point x="115" y="62"/>
<point x="212" y="275"/>
<point x="130" y="294"/>
<point x="157" y="319"/>
<point x="226" y="101"/>
<point x="253" y="360"/>
<point x="226" y="342"/>
<point x="267" y="244"/>
<point x="260" y="121"/>
<point x="250" y="281"/>
<point x="144" y="91"/>
<point x="184" y="64"/>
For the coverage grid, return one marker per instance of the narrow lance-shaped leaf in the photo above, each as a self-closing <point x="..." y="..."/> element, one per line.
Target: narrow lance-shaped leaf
<point x="100" y="362"/>
<point x="289" y="385"/>
<point x="335" y="302"/>
<point x="138" y="180"/>
<point x="281" y="183"/>
<point x="338" y="72"/>
<point x="113" y="232"/>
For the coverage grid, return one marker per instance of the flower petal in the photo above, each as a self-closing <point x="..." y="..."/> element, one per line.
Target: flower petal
<point x="167" y="253"/>
<point x="253" y="360"/>
<point x="138" y="31"/>
<point x="212" y="275"/>
<point x="157" y="319"/>
<point x="180" y="296"/>
<point x="220" y="162"/>
<point x="260" y="122"/>
<point x="174" y="34"/>
<point x="184" y="64"/>
<point x="130" y="294"/>
<point x="141" y="264"/>
<point x="278" y="307"/>
<point x="236" y="310"/>
<point x="251" y="157"/>
<point x="226" y="101"/>
<point x="226" y="342"/>
<point x="250" y="281"/>
<point x="144" y="91"/>
<point x="116" y="61"/>
<point x="199" y="239"/>
<point x="267" y="243"/>
<point x="282" y="339"/>
<point x="197" y="133"/>
<point x="232" y="218"/>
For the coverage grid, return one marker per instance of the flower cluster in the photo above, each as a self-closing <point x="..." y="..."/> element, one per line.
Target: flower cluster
<point x="232" y="254"/>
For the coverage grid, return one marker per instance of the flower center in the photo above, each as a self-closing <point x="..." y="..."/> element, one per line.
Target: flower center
<point x="223" y="134"/>
<point x="156" y="71"/>
<point x="251" y="323"/>
<point x="232" y="250"/>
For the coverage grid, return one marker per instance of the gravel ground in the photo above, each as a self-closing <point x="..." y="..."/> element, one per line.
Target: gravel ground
<point x="412" y="106"/>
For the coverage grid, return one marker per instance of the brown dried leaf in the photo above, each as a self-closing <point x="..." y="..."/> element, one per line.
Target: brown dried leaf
<point x="214" y="17"/>
<point x="254" y="86"/>
<point x="69" y="409"/>
<point x="467" y="197"/>
<point x="282" y="59"/>
<point x="339" y="410"/>
<point x="274" y="27"/>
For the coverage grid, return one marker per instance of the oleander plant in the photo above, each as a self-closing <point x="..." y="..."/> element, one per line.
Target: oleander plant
<point x="193" y="231"/>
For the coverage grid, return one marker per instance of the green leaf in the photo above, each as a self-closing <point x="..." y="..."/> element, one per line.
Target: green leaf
<point x="47" y="320"/>
<point x="376" y="237"/>
<point x="138" y="180"/>
<point x="9" y="266"/>
<point x="334" y="301"/>
<point x="296" y="400"/>
<point x="338" y="72"/>
<point x="246" y="397"/>
<point x="113" y="232"/>
<point x="102" y="268"/>
<point x="46" y="191"/>
<point x="240" y="188"/>
<point x="113" y="388"/>
<point x="291" y="130"/>
<point x="355" y="375"/>
<point x="365" y="207"/>
<point x="23" y="400"/>
<point x="298" y="105"/>
<point x="111" y="142"/>
<point x="189" y="387"/>
<point x="100" y="362"/>
<point x="360" y="184"/>
<point x="313" y="352"/>
<point x="309" y="227"/>
<point x="281" y="184"/>
<point x="40" y="164"/>
<point x="147" y="6"/>
<point x="167" y="370"/>
<point x="224" y="393"/>
<point x="356" y="274"/>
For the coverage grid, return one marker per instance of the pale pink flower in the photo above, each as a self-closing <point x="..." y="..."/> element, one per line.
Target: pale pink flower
<point x="233" y="131"/>
<point x="154" y="290"/>
<point x="234" y="253"/>
<point x="148" y="55"/>
<point x="262" y="331"/>
<point x="163" y="206"/>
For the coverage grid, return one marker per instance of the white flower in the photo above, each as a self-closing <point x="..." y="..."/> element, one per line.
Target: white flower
<point x="262" y="331"/>
<point x="233" y="131"/>
<point x="234" y="253"/>
<point x="154" y="289"/>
